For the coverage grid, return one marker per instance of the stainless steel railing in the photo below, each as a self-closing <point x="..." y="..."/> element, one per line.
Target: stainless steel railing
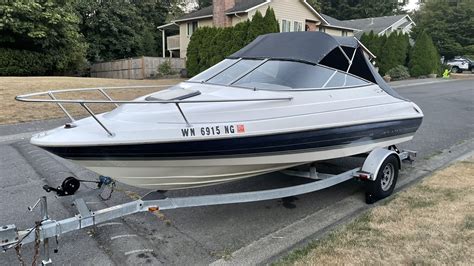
<point x="84" y="103"/>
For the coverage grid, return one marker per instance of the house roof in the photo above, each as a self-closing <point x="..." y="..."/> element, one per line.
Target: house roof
<point x="376" y="24"/>
<point x="201" y="13"/>
<point x="338" y="23"/>
<point x="243" y="5"/>
<point x="240" y="6"/>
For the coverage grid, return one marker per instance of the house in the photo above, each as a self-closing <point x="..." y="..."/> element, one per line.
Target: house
<point x="380" y="25"/>
<point x="292" y="15"/>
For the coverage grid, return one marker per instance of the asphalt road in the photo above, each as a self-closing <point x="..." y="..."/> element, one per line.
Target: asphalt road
<point x="201" y="235"/>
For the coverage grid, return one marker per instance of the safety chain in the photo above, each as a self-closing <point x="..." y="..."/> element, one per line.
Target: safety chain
<point x="37" y="243"/>
<point x="36" y="248"/>
<point x="18" y="255"/>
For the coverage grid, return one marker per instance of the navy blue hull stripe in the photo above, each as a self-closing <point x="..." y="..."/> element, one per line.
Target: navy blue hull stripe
<point x="284" y="142"/>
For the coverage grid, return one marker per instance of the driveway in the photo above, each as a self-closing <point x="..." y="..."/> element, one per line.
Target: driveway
<point x="201" y="235"/>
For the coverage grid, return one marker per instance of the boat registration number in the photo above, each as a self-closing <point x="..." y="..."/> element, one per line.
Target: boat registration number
<point x="213" y="130"/>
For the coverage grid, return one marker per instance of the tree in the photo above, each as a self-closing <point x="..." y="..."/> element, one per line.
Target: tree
<point x="424" y="57"/>
<point x="354" y="9"/>
<point x="315" y="4"/>
<point x="208" y="45"/>
<point x="391" y="51"/>
<point x="389" y="58"/>
<point x="239" y="36"/>
<point x="270" y="21"/>
<point x="371" y="42"/>
<point x="450" y="24"/>
<point x="153" y="13"/>
<point x="120" y="29"/>
<point x="257" y="27"/>
<point x="204" y="3"/>
<point x="44" y="32"/>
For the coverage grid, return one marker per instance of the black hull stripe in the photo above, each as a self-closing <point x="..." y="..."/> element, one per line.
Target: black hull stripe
<point x="286" y="142"/>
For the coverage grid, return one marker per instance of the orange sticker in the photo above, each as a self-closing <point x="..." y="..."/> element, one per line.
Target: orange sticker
<point x="240" y="129"/>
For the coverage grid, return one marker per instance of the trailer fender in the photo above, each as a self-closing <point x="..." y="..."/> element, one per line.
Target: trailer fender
<point x="375" y="159"/>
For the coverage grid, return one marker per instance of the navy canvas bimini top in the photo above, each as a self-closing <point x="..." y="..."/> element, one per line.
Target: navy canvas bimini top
<point x="310" y="47"/>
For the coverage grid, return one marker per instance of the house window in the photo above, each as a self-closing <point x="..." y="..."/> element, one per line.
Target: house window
<point x="192" y="27"/>
<point x="297" y="26"/>
<point x="321" y="29"/>
<point x="344" y="33"/>
<point x="285" y="25"/>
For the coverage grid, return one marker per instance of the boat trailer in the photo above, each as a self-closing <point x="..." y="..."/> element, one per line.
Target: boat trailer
<point x="45" y="229"/>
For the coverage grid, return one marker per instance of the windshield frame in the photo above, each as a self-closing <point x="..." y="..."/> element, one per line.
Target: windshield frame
<point x="264" y="60"/>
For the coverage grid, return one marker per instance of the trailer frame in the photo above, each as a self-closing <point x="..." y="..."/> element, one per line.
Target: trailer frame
<point x="12" y="237"/>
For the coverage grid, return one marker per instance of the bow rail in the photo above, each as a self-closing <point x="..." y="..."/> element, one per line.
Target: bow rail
<point x="32" y="97"/>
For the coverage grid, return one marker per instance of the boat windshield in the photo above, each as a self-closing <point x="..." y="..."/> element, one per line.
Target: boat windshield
<point x="277" y="75"/>
<point x="212" y="71"/>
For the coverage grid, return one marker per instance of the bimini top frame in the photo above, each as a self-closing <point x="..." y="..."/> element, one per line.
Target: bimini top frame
<point x="32" y="97"/>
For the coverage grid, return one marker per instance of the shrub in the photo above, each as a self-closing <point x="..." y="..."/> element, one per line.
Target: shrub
<point x="399" y="72"/>
<point x="442" y="68"/>
<point x="23" y="62"/>
<point x="165" y="69"/>
<point x="391" y="51"/>
<point x="271" y="23"/>
<point x="388" y="58"/>
<point x="424" y="58"/>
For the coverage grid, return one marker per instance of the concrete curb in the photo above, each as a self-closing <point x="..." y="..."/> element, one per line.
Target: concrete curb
<point x="422" y="83"/>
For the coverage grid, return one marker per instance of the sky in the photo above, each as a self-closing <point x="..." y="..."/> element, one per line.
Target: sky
<point x="412" y="4"/>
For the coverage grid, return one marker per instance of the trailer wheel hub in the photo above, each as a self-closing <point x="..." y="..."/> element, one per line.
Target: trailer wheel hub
<point x="387" y="178"/>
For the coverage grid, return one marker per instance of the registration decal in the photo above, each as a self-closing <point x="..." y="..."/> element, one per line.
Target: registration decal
<point x="213" y="130"/>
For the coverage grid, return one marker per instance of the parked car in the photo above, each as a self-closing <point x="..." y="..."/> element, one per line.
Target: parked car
<point x="460" y="64"/>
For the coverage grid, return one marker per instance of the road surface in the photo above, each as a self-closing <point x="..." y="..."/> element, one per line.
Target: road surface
<point x="200" y="236"/>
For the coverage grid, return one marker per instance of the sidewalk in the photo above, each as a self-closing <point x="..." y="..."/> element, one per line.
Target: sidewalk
<point x="430" y="223"/>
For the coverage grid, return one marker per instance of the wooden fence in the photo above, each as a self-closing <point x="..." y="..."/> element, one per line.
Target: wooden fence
<point x="134" y="68"/>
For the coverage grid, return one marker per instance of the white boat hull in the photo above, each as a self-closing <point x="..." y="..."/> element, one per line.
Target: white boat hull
<point x="180" y="174"/>
<point x="153" y="148"/>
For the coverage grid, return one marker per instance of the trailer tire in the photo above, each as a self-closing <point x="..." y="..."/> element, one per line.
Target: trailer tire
<point x="385" y="182"/>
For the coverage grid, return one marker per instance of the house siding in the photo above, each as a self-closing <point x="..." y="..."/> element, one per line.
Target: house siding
<point x="337" y="32"/>
<point x="288" y="10"/>
<point x="183" y="34"/>
<point x="292" y="10"/>
<point x="240" y="18"/>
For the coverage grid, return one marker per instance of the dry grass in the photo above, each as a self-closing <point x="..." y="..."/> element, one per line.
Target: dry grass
<point x="431" y="223"/>
<point x="14" y="112"/>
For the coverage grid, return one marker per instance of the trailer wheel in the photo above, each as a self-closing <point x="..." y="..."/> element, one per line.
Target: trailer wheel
<point x="385" y="182"/>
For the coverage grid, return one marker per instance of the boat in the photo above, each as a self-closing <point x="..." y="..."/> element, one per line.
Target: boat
<point x="284" y="100"/>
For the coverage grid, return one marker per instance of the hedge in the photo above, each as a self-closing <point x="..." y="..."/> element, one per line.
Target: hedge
<point x="208" y="46"/>
<point x="23" y="62"/>
<point x="391" y="51"/>
<point x="424" y="57"/>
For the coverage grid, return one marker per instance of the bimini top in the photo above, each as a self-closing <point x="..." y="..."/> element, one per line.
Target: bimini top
<point x="298" y="60"/>
<point x="310" y="47"/>
<point x="343" y="53"/>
